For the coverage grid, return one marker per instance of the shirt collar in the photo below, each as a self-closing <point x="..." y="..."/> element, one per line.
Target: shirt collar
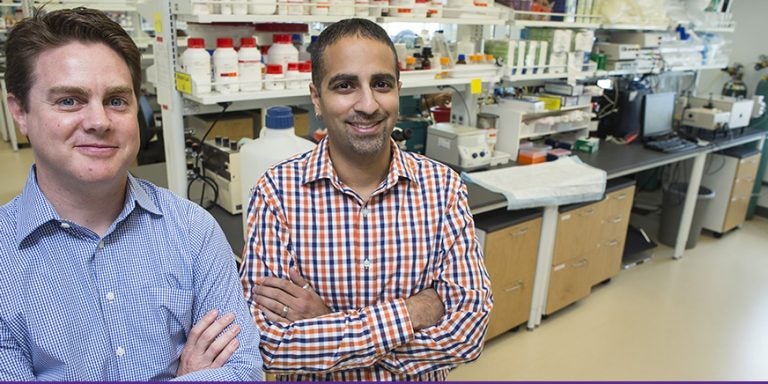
<point x="319" y="165"/>
<point x="35" y="210"/>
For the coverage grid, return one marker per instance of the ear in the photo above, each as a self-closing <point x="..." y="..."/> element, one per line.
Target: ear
<point x="18" y="113"/>
<point x="315" y="99"/>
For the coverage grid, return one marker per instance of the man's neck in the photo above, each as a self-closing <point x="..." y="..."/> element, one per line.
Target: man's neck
<point x="363" y="174"/>
<point x="93" y="207"/>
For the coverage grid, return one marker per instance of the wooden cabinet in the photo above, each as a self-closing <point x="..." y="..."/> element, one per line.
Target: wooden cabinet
<point x="510" y="258"/>
<point x="616" y="208"/>
<point x="589" y="245"/>
<point x="732" y="181"/>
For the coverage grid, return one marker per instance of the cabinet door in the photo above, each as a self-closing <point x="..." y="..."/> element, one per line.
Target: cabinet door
<point x="510" y="257"/>
<point x="606" y="262"/>
<point x="741" y="192"/>
<point x="616" y="209"/>
<point x="578" y="232"/>
<point x="568" y="283"/>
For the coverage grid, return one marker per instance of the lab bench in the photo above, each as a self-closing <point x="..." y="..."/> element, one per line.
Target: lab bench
<point x="562" y="277"/>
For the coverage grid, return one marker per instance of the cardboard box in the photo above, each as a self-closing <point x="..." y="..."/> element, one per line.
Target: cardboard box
<point x="235" y="125"/>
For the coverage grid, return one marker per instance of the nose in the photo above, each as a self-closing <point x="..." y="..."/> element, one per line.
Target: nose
<point x="366" y="102"/>
<point x="96" y="118"/>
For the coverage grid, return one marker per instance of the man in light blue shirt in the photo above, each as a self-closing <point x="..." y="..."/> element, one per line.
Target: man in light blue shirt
<point x="102" y="276"/>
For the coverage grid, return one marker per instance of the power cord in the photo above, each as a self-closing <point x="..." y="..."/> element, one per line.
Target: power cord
<point x="463" y="102"/>
<point x="198" y="170"/>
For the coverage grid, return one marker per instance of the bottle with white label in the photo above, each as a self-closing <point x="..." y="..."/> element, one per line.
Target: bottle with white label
<point x="225" y="66"/>
<point x="305" y="74"/>
<point x="249" y="65"/>
<point x="239" y="7"/>
<point x="292" y="77"/>
<point x="196" y="62"/>
<point x="274" y="79"/>
<point x="282" y="51"/>
<point x="222" y="7"/>
<point x="262" y="7"/>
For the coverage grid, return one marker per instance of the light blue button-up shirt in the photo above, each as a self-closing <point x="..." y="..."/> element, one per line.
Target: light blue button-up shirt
<point x="76" y="306"/>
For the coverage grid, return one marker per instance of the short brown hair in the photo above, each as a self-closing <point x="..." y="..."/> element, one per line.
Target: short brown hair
<point x="46" y="30"/>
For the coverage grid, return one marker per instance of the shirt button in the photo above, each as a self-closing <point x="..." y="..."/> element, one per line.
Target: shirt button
<point x="110" y="296"/>
<point x="120" y="351"/>
<point x="64" y="225"/>
<point x="100" y="245"/>
<point x="365" y="211"/>
<point x="367" y="263"/>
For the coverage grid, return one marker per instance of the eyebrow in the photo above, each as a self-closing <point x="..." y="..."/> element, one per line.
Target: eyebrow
<point x="118" y="90"/>
<point x="354" y="78"/>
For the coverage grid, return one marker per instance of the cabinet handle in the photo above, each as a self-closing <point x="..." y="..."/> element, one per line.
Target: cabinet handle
<point x="621" y="196"/>
<point x="581" y="263"/>
<point x="615" y="220"/>
<point x="521" y="232"/>
<point x="613" y="243"/>
<point x="588" y="212"/>
<point x="518" y="286"/>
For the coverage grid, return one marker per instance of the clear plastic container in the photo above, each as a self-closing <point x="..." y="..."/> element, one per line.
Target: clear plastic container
<point x="249" y="65"/>
<point x="225" y="66"/>
<point x="196" y="61"/>
<point x="276" y="142"/>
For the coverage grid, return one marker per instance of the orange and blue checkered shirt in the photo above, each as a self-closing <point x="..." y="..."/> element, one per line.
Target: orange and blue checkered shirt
<point x="364" y="258"/>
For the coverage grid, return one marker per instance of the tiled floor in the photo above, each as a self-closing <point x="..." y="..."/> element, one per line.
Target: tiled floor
<point x="703" y="317"/>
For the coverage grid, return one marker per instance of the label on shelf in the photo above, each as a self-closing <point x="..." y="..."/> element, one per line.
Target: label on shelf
<point x="476" y="86"/>
<point x="183" y="82"/>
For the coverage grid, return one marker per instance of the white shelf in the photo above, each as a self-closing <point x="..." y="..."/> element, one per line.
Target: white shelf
<point x="412" y="81"/>
<point x="296" y="19"/>
<point x="468" y="20"/>
<point x="554" y="24"/>
<point x="716" y="29"/>
<point x="635" y="27"/>
<point x="104" y="5"/>
<point x="530" y="135"/>
<point x="303" y="19"/>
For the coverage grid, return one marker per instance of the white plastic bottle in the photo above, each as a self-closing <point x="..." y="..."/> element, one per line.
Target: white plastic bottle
<point x="239" y="7"/>
<point x="305" y="74"/>
<point x="274" y="79"/>
<point x="249" y="65"/>
<point x="292" y="77"/>
<point x="276" y="142"/>
<point x="196" y="62"/>
<point x="282" y="51"/>
<point x="225" y="66"/>
<point x="222" y="7"/>
<point x="201" y="8"/>
<point x="262" y="7"/>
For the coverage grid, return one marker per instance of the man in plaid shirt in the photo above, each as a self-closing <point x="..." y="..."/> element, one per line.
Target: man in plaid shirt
<point x="361" y="261"/>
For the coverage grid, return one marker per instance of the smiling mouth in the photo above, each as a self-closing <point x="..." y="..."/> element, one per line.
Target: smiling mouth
<point x="364" y="126"/>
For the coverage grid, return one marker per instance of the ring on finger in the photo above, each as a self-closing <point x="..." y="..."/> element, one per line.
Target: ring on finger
<point x="285" y="310"/>
<point x="305" y="286"/>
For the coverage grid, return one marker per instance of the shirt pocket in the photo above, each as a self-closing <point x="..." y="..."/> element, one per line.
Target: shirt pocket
<point x="174" y="310"/>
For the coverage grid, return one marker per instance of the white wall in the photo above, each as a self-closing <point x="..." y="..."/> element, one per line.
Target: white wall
<point x="748" y="42"/>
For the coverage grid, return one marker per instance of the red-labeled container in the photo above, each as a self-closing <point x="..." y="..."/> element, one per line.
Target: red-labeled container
<point x="441" y="114"/>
